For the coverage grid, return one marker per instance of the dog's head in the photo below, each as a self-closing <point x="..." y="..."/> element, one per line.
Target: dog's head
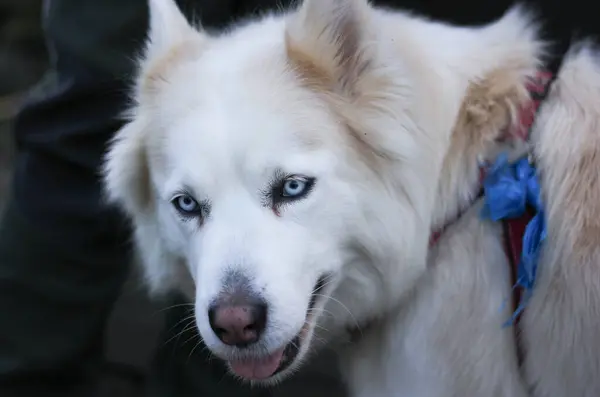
<point x="272" y="163"/>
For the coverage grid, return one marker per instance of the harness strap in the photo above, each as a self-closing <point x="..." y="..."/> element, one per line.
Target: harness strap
<point x="514" y="229"/>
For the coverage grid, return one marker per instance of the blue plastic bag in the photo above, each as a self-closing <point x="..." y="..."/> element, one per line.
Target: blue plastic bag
<point x="509" y="188"/>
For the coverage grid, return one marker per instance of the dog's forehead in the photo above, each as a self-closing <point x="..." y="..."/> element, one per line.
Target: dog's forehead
<point x="249" y="134"/>
<point x="239" y="137"/>
<point x="241" y="105"/>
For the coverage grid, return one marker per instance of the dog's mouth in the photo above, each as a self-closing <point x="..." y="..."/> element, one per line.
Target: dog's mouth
<point x="268" y="366"/>
<point x="263" y="368"/>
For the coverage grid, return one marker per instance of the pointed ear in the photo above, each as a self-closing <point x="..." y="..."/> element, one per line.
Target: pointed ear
<point x="327" y="39"/>
<point x="167" y="27"/>
<point x="171" y="40"/>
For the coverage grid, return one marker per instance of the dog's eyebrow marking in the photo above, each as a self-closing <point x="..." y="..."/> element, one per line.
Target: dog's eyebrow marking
<point x="189" y="190"/>
<point x="276" y="178"/>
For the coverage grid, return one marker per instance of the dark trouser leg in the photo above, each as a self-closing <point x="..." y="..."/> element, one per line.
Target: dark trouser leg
<point x="63" y="255"/>
<point x="53" y="307"/>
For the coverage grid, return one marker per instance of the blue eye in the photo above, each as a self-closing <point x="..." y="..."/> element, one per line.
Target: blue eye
<point x="186" y="205"/>
<point x="294" y="187"/>
<point x="287" y="189"/>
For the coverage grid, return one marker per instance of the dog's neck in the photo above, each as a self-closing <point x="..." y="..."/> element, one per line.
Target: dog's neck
<point x="488" y="124"/>
<point x="480" y="135"/>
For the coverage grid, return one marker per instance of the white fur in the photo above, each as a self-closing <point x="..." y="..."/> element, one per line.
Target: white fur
<point x="366" y="101"/>
<point x="562" y="321"/>
<point x="448" y="340"/>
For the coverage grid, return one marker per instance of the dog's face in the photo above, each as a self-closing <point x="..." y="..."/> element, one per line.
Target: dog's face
<point x="274" y="164"/>
<point x="257" y="204"/>
<point x="236" y="168"/>
<point x="255" y="193"/>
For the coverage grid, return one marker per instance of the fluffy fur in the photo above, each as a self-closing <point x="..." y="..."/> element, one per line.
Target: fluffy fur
<point x="390" y="113"/>
<point x="561" y="323"/>
<point x="448" y="339"/>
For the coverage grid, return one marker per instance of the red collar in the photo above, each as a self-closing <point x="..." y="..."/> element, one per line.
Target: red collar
<point x="538" y="89"/>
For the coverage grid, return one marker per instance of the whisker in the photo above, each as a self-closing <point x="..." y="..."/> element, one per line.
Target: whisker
<point x="178" y="335"/>
<point x="173" y="307"/>
<point x="195" y="335"/>
<point x="188" y="318"/>
<point x="320" y="311"/>
<point x="345" y="308"/>
<point x="194" y="348"/>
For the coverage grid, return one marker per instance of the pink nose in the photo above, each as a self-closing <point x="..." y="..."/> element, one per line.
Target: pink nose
<point x="239" y="325"/>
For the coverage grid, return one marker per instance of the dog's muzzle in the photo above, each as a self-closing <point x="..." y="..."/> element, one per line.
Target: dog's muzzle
<point x="267" y="366"/>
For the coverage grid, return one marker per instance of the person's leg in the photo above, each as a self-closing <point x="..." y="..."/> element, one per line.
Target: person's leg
<point x="63" y="254"/>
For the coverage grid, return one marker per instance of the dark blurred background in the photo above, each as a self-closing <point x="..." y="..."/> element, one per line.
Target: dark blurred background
<point x="23" y="59"/>
<point x="135" y="322"/>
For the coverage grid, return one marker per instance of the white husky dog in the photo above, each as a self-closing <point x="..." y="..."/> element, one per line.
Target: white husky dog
<point x="287" y="174"/>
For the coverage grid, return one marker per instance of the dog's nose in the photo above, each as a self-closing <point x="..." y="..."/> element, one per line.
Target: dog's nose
<point x="238" y="325"/>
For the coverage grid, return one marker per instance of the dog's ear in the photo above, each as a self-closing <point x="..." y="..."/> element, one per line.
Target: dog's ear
<point x="327" y="40"/>
<point x="171" y="40"/>
<point x="125" y="171"/>
<point x="127" y="184"/>
<point x="167" y="27"/>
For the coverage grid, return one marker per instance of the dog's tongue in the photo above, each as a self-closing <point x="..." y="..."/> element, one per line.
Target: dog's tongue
<point x="259" y="368"/>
